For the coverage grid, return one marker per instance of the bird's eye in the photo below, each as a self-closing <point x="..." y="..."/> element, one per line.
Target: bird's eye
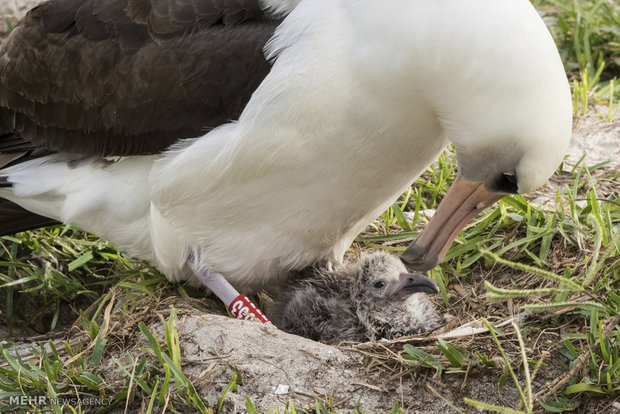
<point x="506" y="183"/>
<point x="379" y="284"/>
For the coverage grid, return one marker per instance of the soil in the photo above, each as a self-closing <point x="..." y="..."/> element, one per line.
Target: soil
<point x="277" y="367"/>
<point x="596" y="138"/>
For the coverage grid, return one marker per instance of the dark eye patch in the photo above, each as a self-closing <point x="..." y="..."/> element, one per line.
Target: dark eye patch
<point x="506" y="183"/>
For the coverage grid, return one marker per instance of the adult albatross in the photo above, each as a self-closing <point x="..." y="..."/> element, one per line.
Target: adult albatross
<point x="252" y="137"/>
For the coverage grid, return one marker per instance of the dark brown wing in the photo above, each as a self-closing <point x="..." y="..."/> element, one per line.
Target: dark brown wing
<point x="127" y="77"/>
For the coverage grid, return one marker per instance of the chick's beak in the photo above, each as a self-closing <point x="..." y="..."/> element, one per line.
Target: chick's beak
<point x="463" y="201"/>
<point x="412" y="283"/>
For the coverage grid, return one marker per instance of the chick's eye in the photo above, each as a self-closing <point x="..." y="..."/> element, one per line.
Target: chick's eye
<point x="379" y="284"/>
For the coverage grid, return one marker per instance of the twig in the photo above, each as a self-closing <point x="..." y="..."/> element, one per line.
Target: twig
<point x="445" y="400"/>
<point x="372" y="387"/>
<point x="561" y="381"/>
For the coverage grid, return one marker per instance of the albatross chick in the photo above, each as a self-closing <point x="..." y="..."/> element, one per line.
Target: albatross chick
<point x="373" y="299"/>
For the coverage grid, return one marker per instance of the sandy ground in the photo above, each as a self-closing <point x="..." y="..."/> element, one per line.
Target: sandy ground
<point x="277" y="367"/>
<point x="596" y="138"/>
<point x="11" y="11"/>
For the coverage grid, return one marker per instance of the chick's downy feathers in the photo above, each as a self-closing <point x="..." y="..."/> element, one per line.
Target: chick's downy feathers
<point x="372" y="299"/>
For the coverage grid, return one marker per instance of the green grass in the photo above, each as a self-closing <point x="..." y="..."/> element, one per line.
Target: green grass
<point x="587" y="33"/>
<point x="50" y="269"/>
<point x="59" y="277"/>
<point x="51" y="374"/>
<point x="47" y="269"/>
<point x="582" y="232"/>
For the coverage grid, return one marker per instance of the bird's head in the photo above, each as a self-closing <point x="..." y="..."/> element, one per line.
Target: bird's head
<point x="381" y="279"/>
<point x="509" y="163"/>
<point x="500" y="94"/>
<point x="385" y="299"/>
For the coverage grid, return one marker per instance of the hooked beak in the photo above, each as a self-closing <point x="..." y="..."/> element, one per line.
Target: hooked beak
<point x="411" y="283"/>
<point x="463" y="201"/>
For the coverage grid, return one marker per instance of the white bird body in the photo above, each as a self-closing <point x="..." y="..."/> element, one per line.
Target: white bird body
<point x="362" y="97"/>
<point x="107" y="198"/>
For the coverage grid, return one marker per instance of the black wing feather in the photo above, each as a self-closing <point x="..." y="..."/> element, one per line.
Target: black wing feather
<point x="129" y="77"/>
<point x="16" y="219"/>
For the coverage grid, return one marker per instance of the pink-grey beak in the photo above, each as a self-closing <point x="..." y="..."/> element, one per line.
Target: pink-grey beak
<point x="463" y="201"/>
<point x="413" y="283"/>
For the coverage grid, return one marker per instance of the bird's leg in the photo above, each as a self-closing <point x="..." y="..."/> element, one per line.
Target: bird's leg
<point x="238" y="304"/>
